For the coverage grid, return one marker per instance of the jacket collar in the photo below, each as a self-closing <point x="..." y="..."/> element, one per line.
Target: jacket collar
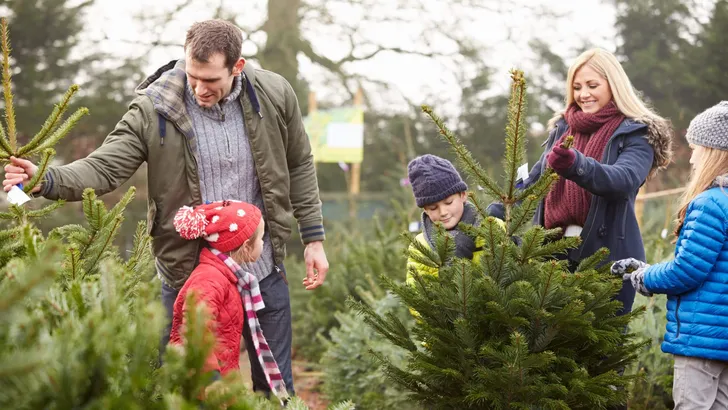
<point x="207" y="258"/>
<point x="464" y="244"/>
<point x="168" y="85"/>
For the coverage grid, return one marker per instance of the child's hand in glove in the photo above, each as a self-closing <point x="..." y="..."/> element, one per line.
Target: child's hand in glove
<point x="633" y="270"/>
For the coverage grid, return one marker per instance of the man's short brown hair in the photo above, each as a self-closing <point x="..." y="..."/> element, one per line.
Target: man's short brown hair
<point x="206" y="38"/>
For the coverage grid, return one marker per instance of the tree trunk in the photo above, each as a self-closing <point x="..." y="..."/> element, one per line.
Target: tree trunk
<point x="283" y="41"/>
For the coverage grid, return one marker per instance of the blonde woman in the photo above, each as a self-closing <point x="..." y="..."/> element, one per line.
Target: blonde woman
<point x="618" y="143"/>
<point x="696" y="281"/>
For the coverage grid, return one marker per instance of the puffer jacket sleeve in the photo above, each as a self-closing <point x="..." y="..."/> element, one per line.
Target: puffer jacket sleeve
<point x="211" y="293"/>
<point x="699" y="244"/>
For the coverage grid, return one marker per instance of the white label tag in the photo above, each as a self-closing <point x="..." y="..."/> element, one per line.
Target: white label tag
<point x="16" y="196"/>
<point x="522" y="172"/>
<point x="414" y="226"/>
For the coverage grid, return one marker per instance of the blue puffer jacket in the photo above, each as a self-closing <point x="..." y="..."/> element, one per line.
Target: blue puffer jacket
<point x="696" y="281"/>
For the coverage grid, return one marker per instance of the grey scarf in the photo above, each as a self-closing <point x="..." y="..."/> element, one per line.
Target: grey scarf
<point x="464" y="244"/>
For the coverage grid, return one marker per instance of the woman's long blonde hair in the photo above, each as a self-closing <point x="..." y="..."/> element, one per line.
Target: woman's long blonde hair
<point x="713" y="163"/>
<point x="624" y="95"/>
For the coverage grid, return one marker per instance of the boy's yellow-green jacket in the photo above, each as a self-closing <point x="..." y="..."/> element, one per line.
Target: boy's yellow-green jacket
<point x="464" y="247"/>
<point x="423" y="269"/>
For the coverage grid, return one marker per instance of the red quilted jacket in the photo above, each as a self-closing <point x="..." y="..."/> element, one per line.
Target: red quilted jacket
<point x="214" y="283"/>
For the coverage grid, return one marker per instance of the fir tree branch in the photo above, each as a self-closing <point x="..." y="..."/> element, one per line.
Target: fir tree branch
<point x="496" y="248"/>
<point x="51" y="122"/>
<point x="7" y="87"/>
<point x="381" y="326"/>
<point x="464" y="287"/>
<point x="21" y="362"/>
<point x="29" y="279"/>
<point x="118" y="209"/>
<point x="74" y="262"/>
<point x="523" y="214"/>
<point x="401" y="377"/>
<point x="478" y="203"/>
<point x="94" y="252"/>
<point x="530" y="242"/>
<point x="43" y="165"/>
<point x="557" y="247"/>
<point x="515" y="134"/>
<point x="91" y="209"/>
<point x="540" y="188"/>
<point x="5" y="151"/>
<point x="593" y="261"/>
<point x="30" y="240"/>
<point x="60" y="132"/>
<point x="45" y="211"/>
<point x="465" y="157"/>
<point x="66" y="231"/>
<point x="140" y="254"/>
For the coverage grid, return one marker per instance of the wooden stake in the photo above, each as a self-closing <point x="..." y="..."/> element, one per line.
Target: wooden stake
<point x="639" y="207"/>
<point x="355" y="177"/>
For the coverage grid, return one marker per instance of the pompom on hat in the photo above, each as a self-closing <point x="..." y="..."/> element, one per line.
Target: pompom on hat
<point x="225" y="225"/>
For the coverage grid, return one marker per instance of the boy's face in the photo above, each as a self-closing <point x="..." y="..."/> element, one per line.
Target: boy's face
<point x="448" y="211"/>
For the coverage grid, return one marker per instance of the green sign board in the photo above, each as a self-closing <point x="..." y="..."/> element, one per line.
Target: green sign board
<point x="337" y="135"/>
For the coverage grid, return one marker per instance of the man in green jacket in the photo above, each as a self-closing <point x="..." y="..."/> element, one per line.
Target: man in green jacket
<point x="211" y="128"/>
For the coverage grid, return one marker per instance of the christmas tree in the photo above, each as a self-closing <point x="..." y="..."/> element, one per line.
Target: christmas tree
<point x="517" y="330"/>
<point x="80" y="325"/>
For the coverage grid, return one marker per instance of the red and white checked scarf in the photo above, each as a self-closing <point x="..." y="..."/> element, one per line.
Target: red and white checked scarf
<point x="252" y="302"/>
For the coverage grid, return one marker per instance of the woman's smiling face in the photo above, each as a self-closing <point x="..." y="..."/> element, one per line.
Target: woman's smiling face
<point x="591" y="90"/>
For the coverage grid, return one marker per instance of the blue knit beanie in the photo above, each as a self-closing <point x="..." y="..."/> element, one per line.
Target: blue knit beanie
<point x="433" y="179"/>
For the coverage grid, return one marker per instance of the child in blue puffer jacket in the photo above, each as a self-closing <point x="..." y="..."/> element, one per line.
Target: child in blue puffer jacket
<point x="696" y="281"/>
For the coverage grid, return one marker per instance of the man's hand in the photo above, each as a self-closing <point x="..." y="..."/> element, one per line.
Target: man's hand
<point x="316" y="265"/>
<point x="19" y="171"/>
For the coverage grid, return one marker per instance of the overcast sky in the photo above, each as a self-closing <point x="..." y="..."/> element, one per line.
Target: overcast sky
<point x="413" y="76"/>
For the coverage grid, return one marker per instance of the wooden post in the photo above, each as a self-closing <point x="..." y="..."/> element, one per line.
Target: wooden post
<point x="355" y="177"/>
<point x="643" y="197"/>
<point x="312" y="107"/>
<point x="639" y="206"/>
<point x="312" y="104"/>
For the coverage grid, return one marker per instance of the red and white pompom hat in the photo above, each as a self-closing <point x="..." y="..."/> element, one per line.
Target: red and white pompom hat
<point x="225" y="225"/>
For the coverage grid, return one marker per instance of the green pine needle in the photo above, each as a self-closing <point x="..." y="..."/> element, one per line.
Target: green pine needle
<point x="515" y="132"/>
<point x="59" y="133"/>
<point x="7" y="86"/>
<point x="51" y="122"/>
<point x="465" y="158"/>
<point x="46" y="211"/>
<point x="45" y="161"/>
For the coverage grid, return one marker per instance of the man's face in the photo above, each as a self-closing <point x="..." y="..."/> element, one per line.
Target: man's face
<point x="449" y="211"/>
<point x="211" y="81"/>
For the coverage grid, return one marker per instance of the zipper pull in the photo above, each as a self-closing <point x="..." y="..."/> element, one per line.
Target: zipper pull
<point x="280" y="272"/>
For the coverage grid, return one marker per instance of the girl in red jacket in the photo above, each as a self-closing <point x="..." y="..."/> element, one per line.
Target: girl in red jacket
<point x="233" y="233"/>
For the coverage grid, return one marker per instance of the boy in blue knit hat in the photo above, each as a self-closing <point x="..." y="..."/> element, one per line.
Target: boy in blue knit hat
<point x="441" y="193"/>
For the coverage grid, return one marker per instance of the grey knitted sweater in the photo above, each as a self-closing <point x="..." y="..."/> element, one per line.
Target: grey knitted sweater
<point x="225" y="163"/>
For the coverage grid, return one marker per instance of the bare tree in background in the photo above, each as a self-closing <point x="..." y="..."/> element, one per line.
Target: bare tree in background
<point x="338" y="35"/>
